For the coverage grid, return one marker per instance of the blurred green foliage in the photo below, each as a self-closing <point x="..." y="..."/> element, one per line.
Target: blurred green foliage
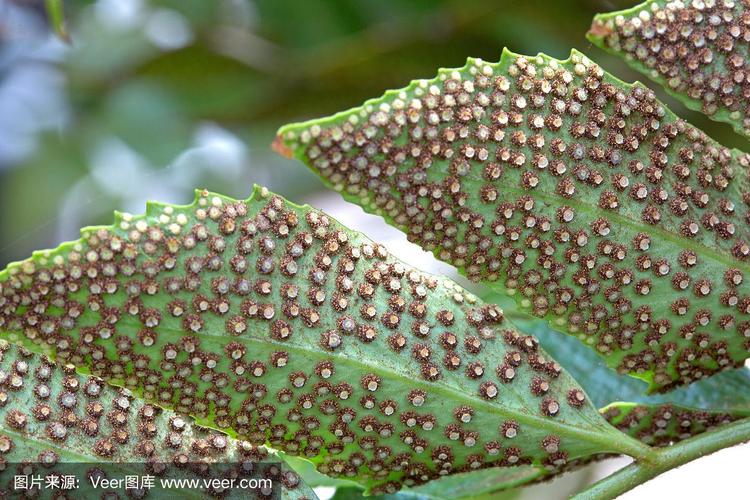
<point x="143" y="79"/>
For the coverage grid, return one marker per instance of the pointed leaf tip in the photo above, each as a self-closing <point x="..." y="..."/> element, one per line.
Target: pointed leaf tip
<point x="598" y="30"/>
<point x="281" y="148"/>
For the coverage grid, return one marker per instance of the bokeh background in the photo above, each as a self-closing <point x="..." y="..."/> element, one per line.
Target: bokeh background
<point x="153" y="98"/>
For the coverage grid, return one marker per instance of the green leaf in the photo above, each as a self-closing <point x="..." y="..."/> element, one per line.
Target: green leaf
<point x="697" y="51"/>
<point x="310" y="475"/>
<point x="273" y="322"/>
<point x="147" y="117"/>
<point x="656" y="419"/>
<point x="728" y="391"/>
<point x="665" y="424"/>
<point x="578" y="195"/>
<point x="465" y="485"/>
<point x="475" y="484"/>
<point x="56" y="15"/>
<point x="64" y="420"/>
<point x="350" y="493"/>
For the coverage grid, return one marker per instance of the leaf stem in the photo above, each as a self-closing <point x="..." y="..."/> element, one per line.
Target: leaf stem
<point x="632" y="447"/>
<point x="664" y="459"/>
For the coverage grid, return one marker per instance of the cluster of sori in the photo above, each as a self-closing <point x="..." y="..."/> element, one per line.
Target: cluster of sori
<point x="663" y="425"/>
<point x="56" y="422"/>
<point x="274" y="321"/>
<point x="697" y="49"/>
<point x="582" y="197"/>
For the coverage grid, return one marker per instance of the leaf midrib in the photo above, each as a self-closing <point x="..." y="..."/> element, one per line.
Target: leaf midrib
<point x="605" y="439"/>
<point x="555" y="200"/>
<point x="628" y="221"/>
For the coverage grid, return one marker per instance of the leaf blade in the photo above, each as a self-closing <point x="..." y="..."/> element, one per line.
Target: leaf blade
<point x="686" y="66"/>
<point x="474" y="484"/>
<point x="727" y="391"/>
<point x="67" y="421"/>
<point x="666" y="424"/>
<point x="189" y="306"/>
<point x="655" y="419"/>
<point x="572" y="207"/>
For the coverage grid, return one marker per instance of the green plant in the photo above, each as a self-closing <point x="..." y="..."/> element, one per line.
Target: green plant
<point x="65" y="419"/>
<point x="163" y="304"/>
<point x="56" y="18"/>
<point x="573" y="197"/>
<point x="581" y="197"/>
<point x="696" y="50"/>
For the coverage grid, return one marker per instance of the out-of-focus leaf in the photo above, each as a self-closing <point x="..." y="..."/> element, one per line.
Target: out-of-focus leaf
<point x="53" y="417"/>
<point x="28" y="222"/>
<point x="56" y="16"/>
<point x="149" y="117"/>
<point x="206" y="84"/>
<point x="197" y="12"/>
<point x="578" y="195"/>
<point x="696" y="50"/>
<point x="105" y="61"/>
<point x="276" y="323"/>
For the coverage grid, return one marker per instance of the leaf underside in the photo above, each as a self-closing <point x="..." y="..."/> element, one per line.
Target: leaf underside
<point x="655" y="419"/>
<point x="275" y="323"/>
<point x="580" y="196"/>
<point x="727" y="392"/>
<point x="696" y="50"/>
<point x="460" y="485"/>
<point x="53" y="416"/>
<point x="665" y="424"/>
<point x="656" y="424"/>
<point x="486" y="483"/>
